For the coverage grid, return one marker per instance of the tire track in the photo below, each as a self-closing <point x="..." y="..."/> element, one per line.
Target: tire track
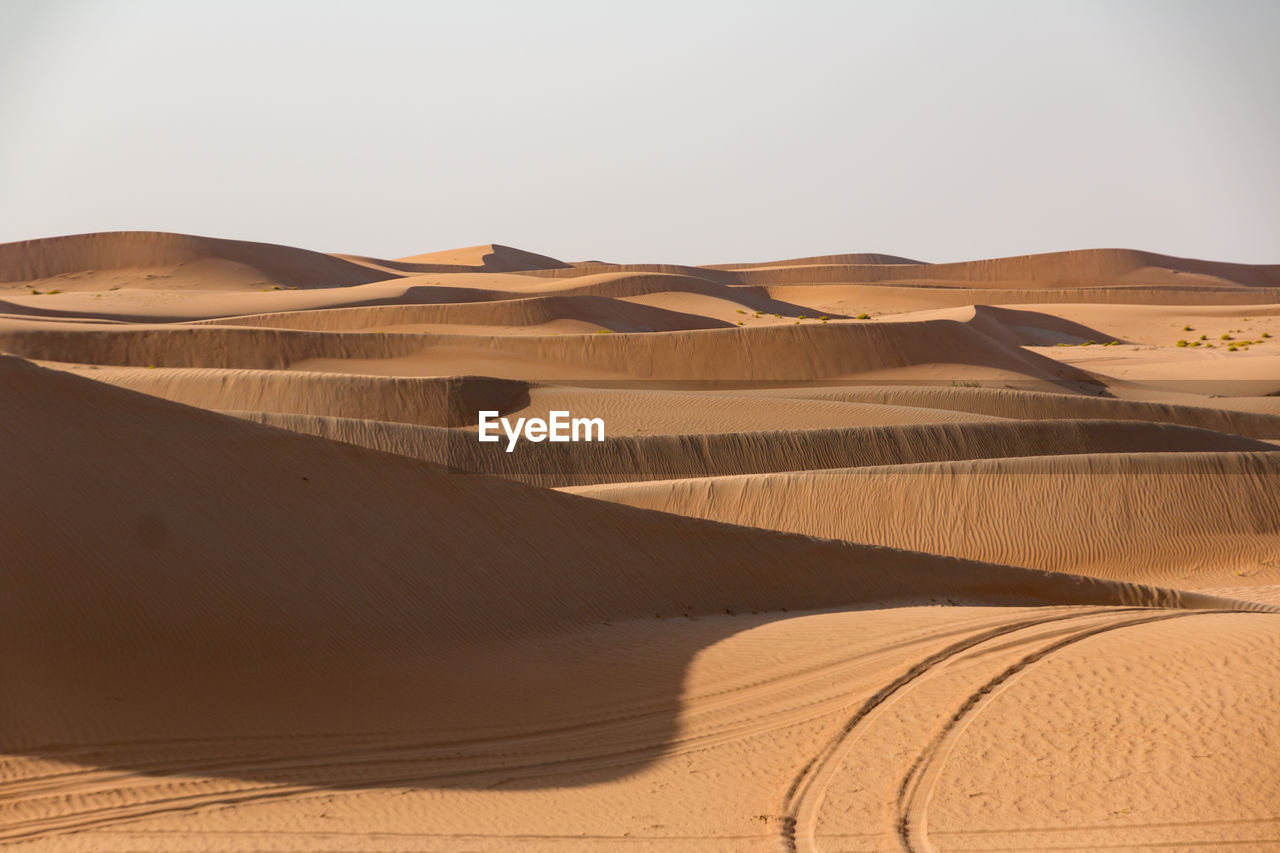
<point x="606" y="721"/>
<point x="522" y="755"/>
<point x="917" y="785"/>
<point x="807" y="791"/>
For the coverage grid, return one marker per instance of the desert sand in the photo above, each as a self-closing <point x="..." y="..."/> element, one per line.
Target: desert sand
<point x="876" y="554"/>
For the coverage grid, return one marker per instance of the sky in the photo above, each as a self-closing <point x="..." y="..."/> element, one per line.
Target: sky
<point x="677" y="132"/>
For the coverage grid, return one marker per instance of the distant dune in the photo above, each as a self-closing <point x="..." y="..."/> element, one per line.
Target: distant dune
<point x="874" y="554"/>
<point x="156" y="258"/>
<point x="491" y="257"/>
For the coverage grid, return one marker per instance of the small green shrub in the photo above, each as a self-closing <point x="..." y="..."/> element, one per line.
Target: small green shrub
<point x="864" y="316"/>
<point x="1182" y="343"/>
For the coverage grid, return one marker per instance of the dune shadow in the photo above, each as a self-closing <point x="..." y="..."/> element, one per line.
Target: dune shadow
<point x="547" y="711"/>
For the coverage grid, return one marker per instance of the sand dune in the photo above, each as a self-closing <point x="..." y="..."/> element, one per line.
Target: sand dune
<point x="313" y="473"/>
<point x="490" y="257"/>
<point x="1088" y="268"/>
<point x="230" y="540"/>
<point x="446" y="401"/>
<point x="817" y="351"/>
<point x="856" y="259"/>
<point x="1025" y="404"/>
<point x="636" y="411"/>
<point x="593" y="312"/>
<point x="1091" y="268"/>
<point x="1022" y="511"/>
<point x="875" y="555"/>
<point x="661" y="457"/>
<point x="884" y="299"/>
<point x="140" y="257"/>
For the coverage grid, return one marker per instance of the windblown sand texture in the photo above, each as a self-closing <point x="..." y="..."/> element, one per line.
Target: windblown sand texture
<point x="876" y="555"/>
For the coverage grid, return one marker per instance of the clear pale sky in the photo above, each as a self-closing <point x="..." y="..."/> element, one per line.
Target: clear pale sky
<point x="692" y="132"/>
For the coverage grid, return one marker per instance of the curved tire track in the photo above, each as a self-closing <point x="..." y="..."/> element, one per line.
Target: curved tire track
<point x="916" y="788"/>
<point x="807" y="791"/>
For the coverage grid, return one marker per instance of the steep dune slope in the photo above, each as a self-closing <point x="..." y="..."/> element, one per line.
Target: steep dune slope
<point x="624" y="458"/>
<point x="1184" y="519"/>
<point x="444" y="401"/>
<point x="1016" y="403"/>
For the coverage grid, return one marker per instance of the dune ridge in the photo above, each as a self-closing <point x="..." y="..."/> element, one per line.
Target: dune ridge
<point x="445" y="401"/>
<point x="820" y="351"/>
<point x="1032" y="404"/>
<point x="663" y="457"/>
<point x="283" y="265"/>
<point x="1078" y="268"/>
<point x="1027" y="511"/>
<point x="489" y="256"/>
<point x="532" y="311"/>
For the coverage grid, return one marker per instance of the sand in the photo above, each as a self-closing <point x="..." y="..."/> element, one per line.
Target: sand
<point x="995" y="566"/>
